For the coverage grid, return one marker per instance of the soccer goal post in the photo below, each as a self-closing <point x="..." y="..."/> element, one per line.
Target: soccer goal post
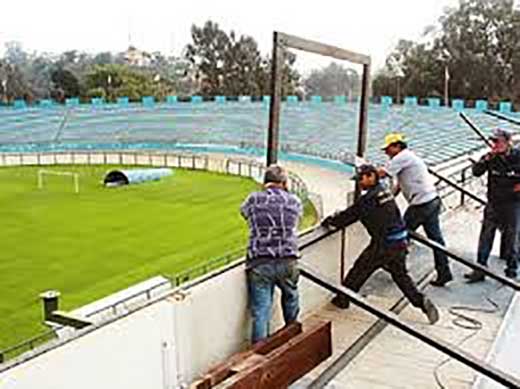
<point x="42" y="173"/>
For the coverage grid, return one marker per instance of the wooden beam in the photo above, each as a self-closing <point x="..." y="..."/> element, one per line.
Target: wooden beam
<point x="224" y="370"/>
<point x="295" y="42"/>
<point x="277" y="63"/>
<point x="287" y="363"/>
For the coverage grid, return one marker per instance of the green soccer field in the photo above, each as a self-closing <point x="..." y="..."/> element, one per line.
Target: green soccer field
<point x="95" y="243"/>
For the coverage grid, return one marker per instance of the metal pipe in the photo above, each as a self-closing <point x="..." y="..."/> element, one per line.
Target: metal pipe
<point x="441" y="345"/>
<point x="502" y="117"/>
<point x="476" y="130"/>
<point x="457" y="186"/>
<point x="473" y="265"/>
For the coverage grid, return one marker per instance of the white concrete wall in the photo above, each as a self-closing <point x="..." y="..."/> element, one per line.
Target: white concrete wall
<point x="215" y="318"/>
<point x="505" y="350"/>
<point x="135" y="352"/>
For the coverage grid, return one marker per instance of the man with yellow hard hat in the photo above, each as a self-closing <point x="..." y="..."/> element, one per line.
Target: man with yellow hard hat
<point x="411" y="176"/>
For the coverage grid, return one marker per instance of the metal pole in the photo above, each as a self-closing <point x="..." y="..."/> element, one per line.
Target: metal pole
<point x="441" y="345"/>
<point x="457" y="187"/>
<point x="274" y="105"/>
<point x="473" y="265"/>
<point x="502" y="117"/>
<point x="363" y="114"/>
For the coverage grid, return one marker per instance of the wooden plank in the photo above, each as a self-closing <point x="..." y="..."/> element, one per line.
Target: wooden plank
<point x="322" y="49"/>
<point x="225" y="369"/>
<point x="288" y="363"/>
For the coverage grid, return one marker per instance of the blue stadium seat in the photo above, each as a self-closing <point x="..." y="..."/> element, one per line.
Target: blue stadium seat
<point x="171" y="99"/>
<point x="220" y="99"/>
<point x="410" y="101"/>
<point x="292" y="99"/>
<point x="266" y="99"/>
<point x="20" y="104"/>
<point x="148" y="101"/>
<point x="481" y="105"/>
<point x="45" y="103"/>
<point x="457" y="105"/>
<point x="434" y="102"/>
<point x="123" y="101"/>
<point x="340" y="99"/>
<point x="505" y="107"/>
<point x="316" y="99"/>
<point x="244" y="99"/>
<point x="72" y="102"/>
<point x="97" y="101"/>
<point x="196" y="99"/>
<point x="387" y="100"/>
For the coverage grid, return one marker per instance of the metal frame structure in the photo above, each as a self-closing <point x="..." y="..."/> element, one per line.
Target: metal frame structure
<point x="282" y="42"/>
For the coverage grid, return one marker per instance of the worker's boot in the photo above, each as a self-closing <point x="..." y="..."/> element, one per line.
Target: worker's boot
<point x="340" y="301"/>
<point x="474" y="277"/>
<point x="441" y="280"/>
<point x="430" y="310"/>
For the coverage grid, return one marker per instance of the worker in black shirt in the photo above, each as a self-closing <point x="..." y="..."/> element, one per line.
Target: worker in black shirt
<point x="502" y="212"/>
<point x="378" y="212"/>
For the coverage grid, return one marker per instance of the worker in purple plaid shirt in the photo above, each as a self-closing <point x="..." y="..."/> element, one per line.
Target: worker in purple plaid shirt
<point x="273" y="215"/>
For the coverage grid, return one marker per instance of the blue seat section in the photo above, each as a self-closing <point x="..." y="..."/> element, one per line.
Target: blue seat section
<point x="72" y="102"/>
<point x="266" y="99"/>
<point x="340" y="99"/>
<point x="434" y="102"/>
<point x="45" y="103"/>
<point x="97" y="101"/>
<point x="457" y="105"/>
<point x="387" y="100"/>
<point x="148" y="101"/>
<point x="196" y="99"/>
<point x="220" y="99"/>
<point x="20" y="104"/>
<point x="305" y="129"/>
<point x="292" y="99"/>
<point x="171" y="99"/>
<point x="316" y="99"/>
<point x="244" y="99"/>
<point x="481" y="105"/>
<point x="410" y="101"/>
<point x="123" y="101"/>
<point x="505" y="107"/>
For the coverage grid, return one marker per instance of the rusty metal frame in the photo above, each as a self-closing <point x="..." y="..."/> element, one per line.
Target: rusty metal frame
<point x="282" y="42"/>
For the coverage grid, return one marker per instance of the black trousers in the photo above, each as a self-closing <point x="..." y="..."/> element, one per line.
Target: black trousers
<point x="394" y="262"/>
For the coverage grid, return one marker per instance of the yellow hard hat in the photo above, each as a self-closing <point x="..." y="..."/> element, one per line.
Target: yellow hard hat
<point x="392" y="138"/>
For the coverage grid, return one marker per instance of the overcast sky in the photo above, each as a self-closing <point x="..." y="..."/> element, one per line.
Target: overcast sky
<point x="368" y="26"/>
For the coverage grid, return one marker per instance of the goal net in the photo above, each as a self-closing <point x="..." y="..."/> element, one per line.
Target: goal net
<point x="73" y="177"/>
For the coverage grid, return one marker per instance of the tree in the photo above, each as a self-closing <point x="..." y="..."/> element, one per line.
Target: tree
<point x="66" y="83"/>
<point x="478" y="41"/>
<point x="227" y="64"/>
<point x="333" y="80"/>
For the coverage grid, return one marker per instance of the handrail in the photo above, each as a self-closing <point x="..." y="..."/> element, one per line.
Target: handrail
<point x="441" y="345"/>
<point x="473" y="265"/>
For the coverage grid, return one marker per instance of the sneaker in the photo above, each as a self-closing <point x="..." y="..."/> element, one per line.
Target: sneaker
<point x="474" y="277"/>
<point x="430" y="310"/>
<point x="441" y="281"/>
<point x="340" y="301"/>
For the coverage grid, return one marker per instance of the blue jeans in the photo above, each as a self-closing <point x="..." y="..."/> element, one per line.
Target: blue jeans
<point x="427" y="216"/>
<point x="506" y="218"/>
<point x="261" y="281"/>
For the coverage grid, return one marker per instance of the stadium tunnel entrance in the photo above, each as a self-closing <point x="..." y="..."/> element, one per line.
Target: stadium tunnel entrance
<point x="134" y="176"/>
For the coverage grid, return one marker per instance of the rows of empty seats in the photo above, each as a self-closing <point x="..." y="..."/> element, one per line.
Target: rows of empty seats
<point x="329" y="130"/>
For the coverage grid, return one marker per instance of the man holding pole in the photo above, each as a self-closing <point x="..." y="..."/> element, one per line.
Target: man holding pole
<point x="502" y="164"/>
<point x="411" y="176"/>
